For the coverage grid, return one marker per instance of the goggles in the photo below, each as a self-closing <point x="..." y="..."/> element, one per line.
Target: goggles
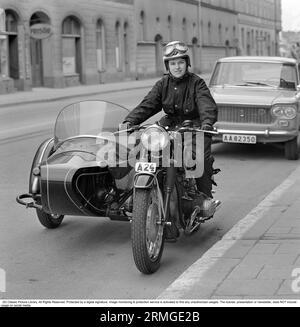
<point x="175" y="48"/>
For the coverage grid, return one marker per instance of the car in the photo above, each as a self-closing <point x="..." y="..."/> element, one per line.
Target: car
<point x="258" y="101"/>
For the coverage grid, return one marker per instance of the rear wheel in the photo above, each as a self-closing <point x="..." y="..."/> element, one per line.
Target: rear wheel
<point x="147" y="231"/>
<point x="49" y="221"/>
<point x="291" y="151"/>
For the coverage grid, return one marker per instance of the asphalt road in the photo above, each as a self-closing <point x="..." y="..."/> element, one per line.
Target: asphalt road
<point x="90" y="258"/>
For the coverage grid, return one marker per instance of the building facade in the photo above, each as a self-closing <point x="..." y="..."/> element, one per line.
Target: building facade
<point x="259" y="27"/>
<point x="290" y="44"/>
<point x="64" y="43"/>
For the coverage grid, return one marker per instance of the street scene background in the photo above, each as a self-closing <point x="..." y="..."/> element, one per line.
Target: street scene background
<point x="111" y="50"/>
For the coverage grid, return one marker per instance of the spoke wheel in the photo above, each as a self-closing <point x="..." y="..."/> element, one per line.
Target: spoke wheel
<point x="146" y="231"/>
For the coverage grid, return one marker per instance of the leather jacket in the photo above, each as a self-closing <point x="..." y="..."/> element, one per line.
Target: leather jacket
<point x="182" y="98"/>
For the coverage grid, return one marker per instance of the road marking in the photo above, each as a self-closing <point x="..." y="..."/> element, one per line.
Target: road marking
<point x="195" y="273"/>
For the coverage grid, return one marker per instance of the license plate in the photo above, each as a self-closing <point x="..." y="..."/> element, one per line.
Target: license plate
<point x="145" y="167"/>
<point x="237" y="138"/>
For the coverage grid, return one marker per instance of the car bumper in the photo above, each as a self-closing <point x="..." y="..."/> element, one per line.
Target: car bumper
<point x="263" y="136"/>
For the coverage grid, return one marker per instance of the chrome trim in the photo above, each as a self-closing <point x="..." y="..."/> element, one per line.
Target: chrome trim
<point x="20" y="199"/>
<point x="44" y="150"/>
<point x="241" y="113"/>
<point x="263" y="133"/>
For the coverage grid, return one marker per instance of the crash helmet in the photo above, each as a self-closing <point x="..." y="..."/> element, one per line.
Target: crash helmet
<point x="174" y="50"/>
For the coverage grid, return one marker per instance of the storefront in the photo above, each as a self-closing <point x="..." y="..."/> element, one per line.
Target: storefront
<point x="59" y="46"/>
<point x="9" y="61"/>
<point x="40" y="47"/>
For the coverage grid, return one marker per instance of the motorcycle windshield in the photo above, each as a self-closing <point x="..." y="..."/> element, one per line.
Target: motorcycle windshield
<point x="88" y="119"/>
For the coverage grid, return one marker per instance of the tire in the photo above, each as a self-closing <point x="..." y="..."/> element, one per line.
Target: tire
<point x="291" y="151"/>
<point x="147" y="237"/>
<point x="47" y="220"/>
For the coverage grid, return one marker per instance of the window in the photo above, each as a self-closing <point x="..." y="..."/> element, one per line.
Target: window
<point x="195" y="28"/>
<point x="9" y="54"/>
<point x="126" y="48"/>
<point x="3" y="46"/>
<point x="117" y="46"/>
<point x="71" y="26"/>
<point x="234" y="33"/>
<point x="241" y="73"/>
<point x="184" y="30"/>
<point x="142" y="26"/>
<point x="209" y="32"/>
<point x="257" y="43"/>
<point x="11" y="23"/>
<point x="71" y="46"/>
<point x="100" y="46"/>
<point x="248" y="43"/>
<point x="170" y="27"/>
<point x="220" y="34"/>
<point x="243" y="37"/>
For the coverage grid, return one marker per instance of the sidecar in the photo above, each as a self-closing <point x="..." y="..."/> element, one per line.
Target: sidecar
<point x="72" y="172"/>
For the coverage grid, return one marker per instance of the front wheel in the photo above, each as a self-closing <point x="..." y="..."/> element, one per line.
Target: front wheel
<point x="147" y="231"/>
<point x="49" y="221"/>
<point x="291" y="149"/>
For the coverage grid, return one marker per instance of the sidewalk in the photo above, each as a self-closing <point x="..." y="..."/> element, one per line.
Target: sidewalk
<point x="49" y="94"/>
<point x="42" y="94"/>
<point x="259" y="258"/>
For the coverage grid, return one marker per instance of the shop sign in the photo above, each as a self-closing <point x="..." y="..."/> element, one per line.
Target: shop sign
<point x="40" y="31"/>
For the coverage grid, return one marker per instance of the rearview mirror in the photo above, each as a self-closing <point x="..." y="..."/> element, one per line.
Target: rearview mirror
<point x="298" y="87"/>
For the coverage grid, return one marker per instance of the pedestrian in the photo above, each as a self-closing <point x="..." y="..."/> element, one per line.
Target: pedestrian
<point x="183" y="96"/>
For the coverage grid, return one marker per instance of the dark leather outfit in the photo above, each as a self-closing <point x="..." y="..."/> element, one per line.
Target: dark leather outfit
<point x="182" y="98"/>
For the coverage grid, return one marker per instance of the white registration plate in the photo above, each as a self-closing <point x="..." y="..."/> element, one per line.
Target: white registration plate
<point x="238" y="138"/>
<point x="145" y="167"/>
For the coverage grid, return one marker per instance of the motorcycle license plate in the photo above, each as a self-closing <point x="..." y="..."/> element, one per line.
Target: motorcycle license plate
<point x="238" y="138"/>
<point x="145" y="167"/>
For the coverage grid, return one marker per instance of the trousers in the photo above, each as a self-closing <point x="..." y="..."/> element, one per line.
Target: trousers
<point x="204" y="183"/>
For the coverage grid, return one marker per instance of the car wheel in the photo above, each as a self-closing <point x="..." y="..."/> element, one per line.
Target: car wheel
<point x="291" y="149"/>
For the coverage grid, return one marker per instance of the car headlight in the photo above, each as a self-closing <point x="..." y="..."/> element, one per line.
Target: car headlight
<point x="284" y="112"/>
<point x="155" y="138"/>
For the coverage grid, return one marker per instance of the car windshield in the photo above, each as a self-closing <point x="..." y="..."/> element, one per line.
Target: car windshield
<point x="88" y="118"/>
<point x="263" y="74"/>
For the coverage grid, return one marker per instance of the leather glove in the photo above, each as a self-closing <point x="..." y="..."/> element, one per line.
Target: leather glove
<point x="207" y="127"/>
<point x="124" y="126"/>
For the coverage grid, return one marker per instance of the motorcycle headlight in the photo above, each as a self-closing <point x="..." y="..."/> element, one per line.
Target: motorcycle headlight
<point x="155" y="138"/>
<point x="284" y="112"/>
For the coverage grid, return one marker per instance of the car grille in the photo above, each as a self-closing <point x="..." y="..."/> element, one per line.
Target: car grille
<point x="241" y="114"/>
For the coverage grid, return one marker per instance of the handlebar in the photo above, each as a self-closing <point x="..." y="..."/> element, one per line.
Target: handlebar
<point x="131" y="129"/>
<point x="180" y="129"/>
<point x="193" y="129"/>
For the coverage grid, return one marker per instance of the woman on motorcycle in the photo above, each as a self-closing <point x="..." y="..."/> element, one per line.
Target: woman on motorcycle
<point x="183" y="96"/>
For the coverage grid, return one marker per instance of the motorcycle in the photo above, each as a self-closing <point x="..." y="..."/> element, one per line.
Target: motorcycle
<point x="92" y="168"/>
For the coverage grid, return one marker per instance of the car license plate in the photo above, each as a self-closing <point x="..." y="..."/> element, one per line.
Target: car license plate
<point x="237" y="138"/>
<point x="145" y="167"/>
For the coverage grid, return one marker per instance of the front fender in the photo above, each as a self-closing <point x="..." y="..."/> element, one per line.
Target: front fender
<point x="41" y="155"/>
<point x="143" y="181"/>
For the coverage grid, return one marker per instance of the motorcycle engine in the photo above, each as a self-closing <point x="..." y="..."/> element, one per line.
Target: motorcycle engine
<point x="190" y="201"/>
<point x="192" y="198"/>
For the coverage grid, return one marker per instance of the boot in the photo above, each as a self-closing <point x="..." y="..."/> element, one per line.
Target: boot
<point x="171" y="233"/>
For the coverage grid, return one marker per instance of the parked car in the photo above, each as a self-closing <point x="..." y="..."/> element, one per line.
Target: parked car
<point x="258" y="100"/>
